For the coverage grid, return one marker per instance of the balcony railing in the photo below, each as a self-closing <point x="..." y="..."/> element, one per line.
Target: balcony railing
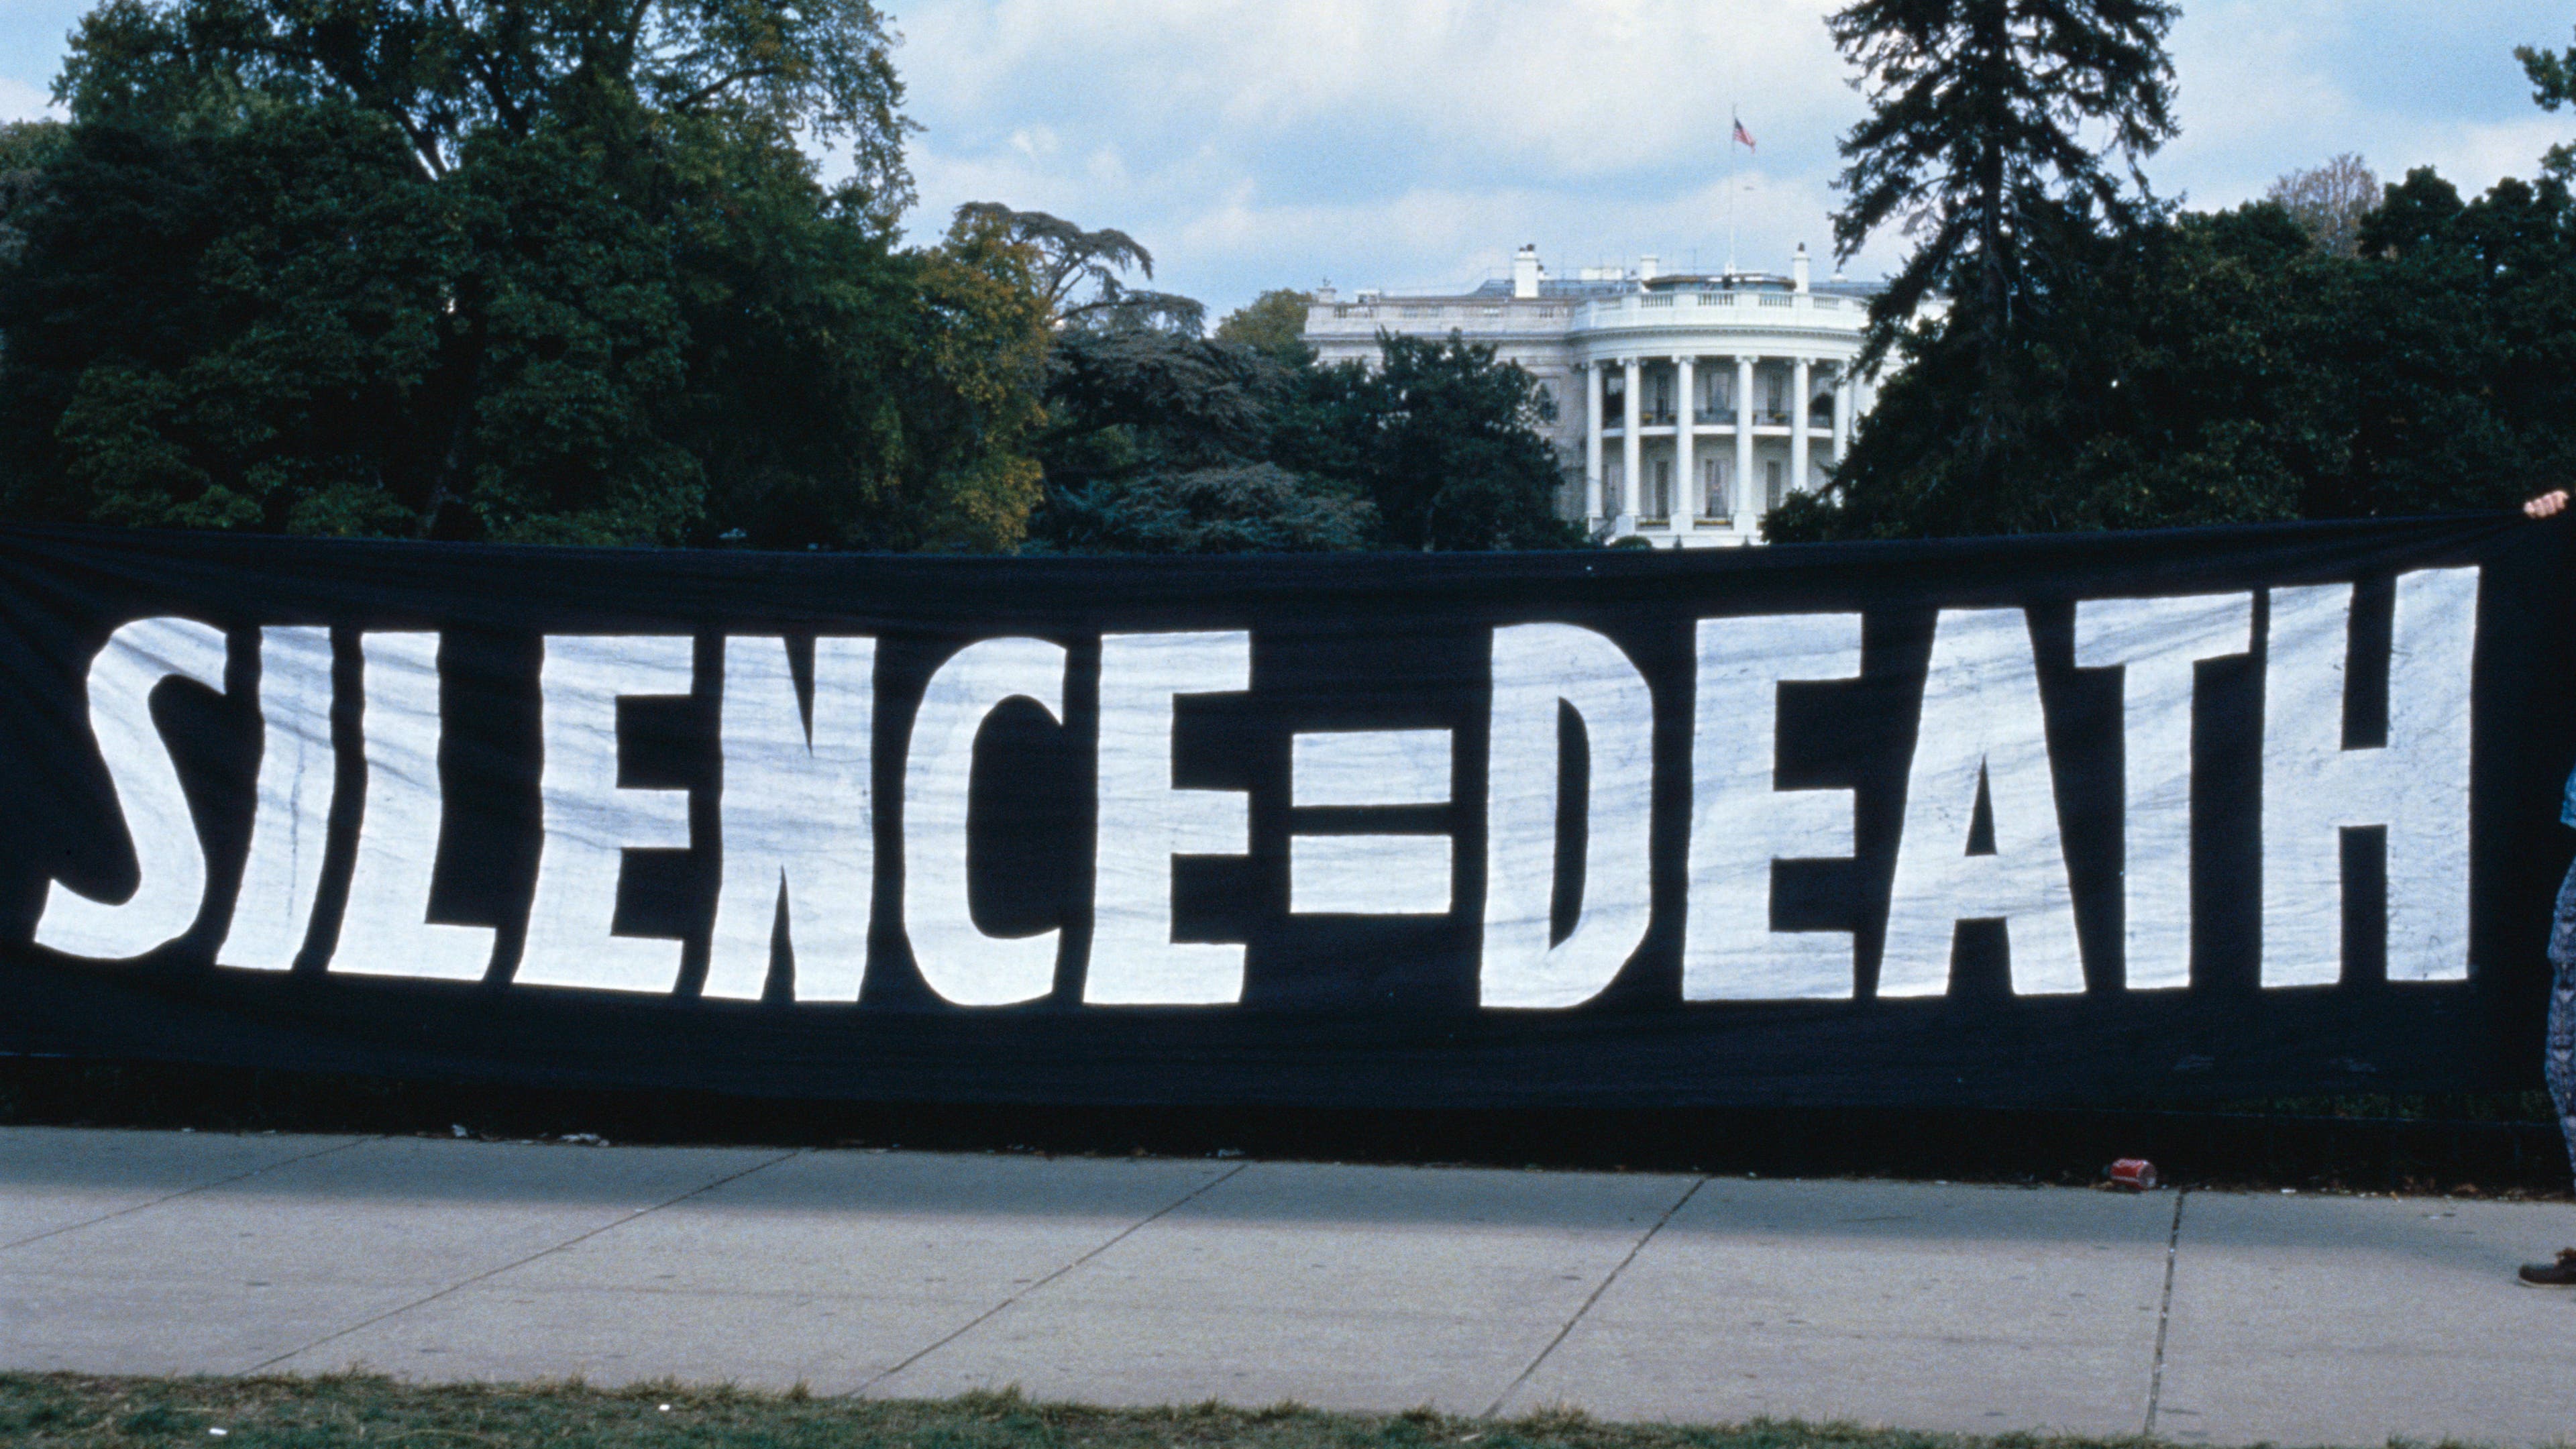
<point x="1464" y="312"/>
<point x="1676" y="308"/>
<point x="1614" y="419"/>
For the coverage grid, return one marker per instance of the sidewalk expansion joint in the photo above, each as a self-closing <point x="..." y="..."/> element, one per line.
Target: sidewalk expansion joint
<point x="1600" y="1288"/>
<point x="2164" y="1316"/>
<point x="970" y="1325"/>
<point x="188" y="1192"/>
<point x="464" y="1283"/>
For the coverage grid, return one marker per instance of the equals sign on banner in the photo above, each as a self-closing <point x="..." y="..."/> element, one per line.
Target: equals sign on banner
<point x="1369" y="875"/>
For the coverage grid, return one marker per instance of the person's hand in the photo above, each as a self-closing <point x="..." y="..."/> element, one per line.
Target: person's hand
<point x="2547" y="505"/>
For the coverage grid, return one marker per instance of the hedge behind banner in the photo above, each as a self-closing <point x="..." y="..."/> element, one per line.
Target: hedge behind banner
<point x="2133" y="818"/>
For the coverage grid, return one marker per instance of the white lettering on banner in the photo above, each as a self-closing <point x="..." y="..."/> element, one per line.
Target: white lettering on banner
<point x="1741" y="824"/>
<point x="1368" y="768"/>
<point x="1535" y="668"/>
<point x="796" y="819"/>
<point x="1369" y="875"/>
<point x="956" y="958"/>
<point x="386" y="930"/>
<point x="290" y="827"/>
<point x="2157" y="645"/>
<point x="169" y="861"/>
<point x="591" y="821"/>
<point x="1145" y="821"/>
<point x="2417" y="785"/>
<point x="1981" y="720"/>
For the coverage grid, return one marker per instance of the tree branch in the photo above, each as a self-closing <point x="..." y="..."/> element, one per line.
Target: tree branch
<point x="710" y="91"/>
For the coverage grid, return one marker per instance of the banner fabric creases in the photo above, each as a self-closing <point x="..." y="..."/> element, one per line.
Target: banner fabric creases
<point x="2129" y="818"/>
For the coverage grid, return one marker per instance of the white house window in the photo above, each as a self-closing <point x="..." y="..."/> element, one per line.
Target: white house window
<point x="1715" y="501"/>
<point x="1614" y="489"/>
<point x="1663" y="500"/>
<point x="1774" y="474"/>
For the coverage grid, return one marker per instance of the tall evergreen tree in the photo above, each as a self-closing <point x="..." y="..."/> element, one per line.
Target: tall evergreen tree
<point x="1975" y="143"/>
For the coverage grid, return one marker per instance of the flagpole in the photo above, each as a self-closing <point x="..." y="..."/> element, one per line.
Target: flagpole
<point x="1735" y="123"/>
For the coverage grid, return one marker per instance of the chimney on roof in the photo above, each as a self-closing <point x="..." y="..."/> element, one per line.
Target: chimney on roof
<point x="1525" y="271"/>
<point x="1646" y="267"/>
<point x="1798" y="267"/>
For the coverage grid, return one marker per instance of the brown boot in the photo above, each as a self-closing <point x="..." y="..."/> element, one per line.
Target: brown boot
<point x="2559" y="1274"/>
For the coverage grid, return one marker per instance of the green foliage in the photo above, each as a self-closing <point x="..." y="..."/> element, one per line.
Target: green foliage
<point x="1229" y="508"/>
<point x="1167" y="443"/>
<point x="285" y="327"/>
<point x="2351" y="355"/>
<point x="1978" y="139"/>
<point x="445" y="71"/>
<point x="1071" y="261"/>
<point x="2553" y="84"/>
<point x="1444" y="439"/>
<point x="545" y="271"/>
<point x="1273" y="324"/>
<point x="2221" y="368"/>
<point x="1144" y="396"/>
<point x="1159" y="444"/>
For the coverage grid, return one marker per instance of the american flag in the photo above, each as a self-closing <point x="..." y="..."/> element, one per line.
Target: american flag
<point x="1744" y="136"/>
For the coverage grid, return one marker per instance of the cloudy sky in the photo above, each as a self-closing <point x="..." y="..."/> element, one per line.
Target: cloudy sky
<point x="1414" y="143"/>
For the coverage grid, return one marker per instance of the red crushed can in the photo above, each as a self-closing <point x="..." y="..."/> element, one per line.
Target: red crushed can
<point x="2134" y="1173"/>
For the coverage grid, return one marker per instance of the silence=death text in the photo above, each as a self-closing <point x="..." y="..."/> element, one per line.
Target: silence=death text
<point x="825" y="816"/>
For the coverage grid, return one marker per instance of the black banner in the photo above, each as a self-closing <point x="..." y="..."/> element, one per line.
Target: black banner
<point x="2128" y="818"/>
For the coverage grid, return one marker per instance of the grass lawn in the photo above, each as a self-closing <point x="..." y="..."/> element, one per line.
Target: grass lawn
<point x="306" y="1413"/>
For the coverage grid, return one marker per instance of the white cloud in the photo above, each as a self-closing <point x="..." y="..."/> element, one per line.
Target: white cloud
<point x="2268" y="86"/>
<point x="20" y="101"/>
<point x="1416" y="142"/>
<point x="1395" y="142"/>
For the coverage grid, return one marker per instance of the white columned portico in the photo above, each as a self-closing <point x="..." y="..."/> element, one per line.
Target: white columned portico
<point x="1591" y="442"/>
<point x="1693" y="334"/>
<point x="1632" y="449"/>
<point x="1748" y="514"/>
<point x="1685" y="500"/>
<point x="1800" y="381"/>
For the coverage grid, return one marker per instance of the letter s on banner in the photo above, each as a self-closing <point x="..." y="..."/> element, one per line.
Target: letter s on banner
<point x="169" y="862"/>
<point x="955" y="957"/>
<point x="1536" y="667"/>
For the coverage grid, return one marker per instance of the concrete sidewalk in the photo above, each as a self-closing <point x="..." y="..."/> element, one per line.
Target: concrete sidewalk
<point x="2211" y="1318"/>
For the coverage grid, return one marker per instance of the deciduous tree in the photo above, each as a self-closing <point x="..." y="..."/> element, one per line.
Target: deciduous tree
<point x="1273" y="324"/>
<point x="516" y="269"/>
<point x="2329" y="201"/>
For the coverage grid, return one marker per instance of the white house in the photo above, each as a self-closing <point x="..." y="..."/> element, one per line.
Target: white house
<point x="1687" y="404"/>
